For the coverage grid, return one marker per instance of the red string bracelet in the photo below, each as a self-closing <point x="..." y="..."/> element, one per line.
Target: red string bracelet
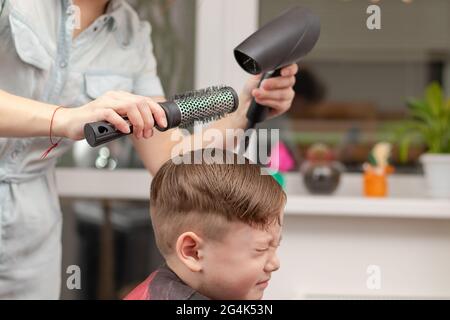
<point x="53" y="145"/>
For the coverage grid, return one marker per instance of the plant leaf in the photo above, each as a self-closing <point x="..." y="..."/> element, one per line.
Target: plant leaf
<point x="434" y="98"/>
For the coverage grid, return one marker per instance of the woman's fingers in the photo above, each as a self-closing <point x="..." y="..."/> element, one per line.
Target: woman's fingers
<point x="147" y="117"/>
<point x="136" y="110"/>
<point x="150" y="111"/>
<point x="116" y="120"/>
<point x="276" y="94"/>
<point x="136" y="120"/>
<point x="290" y="70"/>
<point x="142" y="112"/>
<point x="278" y="83"/>
<point x="158" y="113"/>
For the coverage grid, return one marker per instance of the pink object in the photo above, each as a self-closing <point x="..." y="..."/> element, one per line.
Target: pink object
<point x="281" y="159"/>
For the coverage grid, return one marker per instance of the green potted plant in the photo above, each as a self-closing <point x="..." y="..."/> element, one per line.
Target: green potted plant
<point x="430" y="122"/>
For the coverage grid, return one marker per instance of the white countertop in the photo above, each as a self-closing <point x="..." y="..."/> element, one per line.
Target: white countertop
<point x="407" y="194"/>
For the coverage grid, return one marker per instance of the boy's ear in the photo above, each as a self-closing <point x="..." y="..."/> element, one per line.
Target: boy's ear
<point x="189" y="249"/>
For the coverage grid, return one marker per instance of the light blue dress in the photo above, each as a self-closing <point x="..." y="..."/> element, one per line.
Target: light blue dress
<point x="40" y="60"/>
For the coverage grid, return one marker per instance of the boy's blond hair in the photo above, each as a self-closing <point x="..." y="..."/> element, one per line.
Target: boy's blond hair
<point x="202" y="197"/>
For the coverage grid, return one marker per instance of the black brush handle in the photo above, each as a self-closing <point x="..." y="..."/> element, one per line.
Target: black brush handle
<point x="97" y="133"/>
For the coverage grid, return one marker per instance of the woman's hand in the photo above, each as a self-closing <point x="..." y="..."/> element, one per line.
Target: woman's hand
<point x="275" y="93"/>
<point x="111" y="107"/>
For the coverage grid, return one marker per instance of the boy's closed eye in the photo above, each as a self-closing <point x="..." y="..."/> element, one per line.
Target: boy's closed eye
<point x="262" y="246"/>
<point x="266" y="243"/>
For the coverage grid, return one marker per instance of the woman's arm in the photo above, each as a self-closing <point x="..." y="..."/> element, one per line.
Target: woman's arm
<point x="21" y="117"/>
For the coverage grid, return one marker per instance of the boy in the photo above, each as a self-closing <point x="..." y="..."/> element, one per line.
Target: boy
<point x="217" y="223"/>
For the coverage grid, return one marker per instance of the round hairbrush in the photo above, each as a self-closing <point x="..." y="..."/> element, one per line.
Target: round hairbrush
<point x="182" y="110"/>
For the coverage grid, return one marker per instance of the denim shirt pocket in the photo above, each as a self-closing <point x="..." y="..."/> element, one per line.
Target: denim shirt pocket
<point x="29" y="46"/>
<point x="97" y="84"/>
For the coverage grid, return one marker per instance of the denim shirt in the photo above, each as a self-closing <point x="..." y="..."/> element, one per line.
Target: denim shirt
<point x="40" y="60"/>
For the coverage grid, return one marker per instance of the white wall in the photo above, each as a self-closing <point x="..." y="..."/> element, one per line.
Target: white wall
<point x="220" y="26"/>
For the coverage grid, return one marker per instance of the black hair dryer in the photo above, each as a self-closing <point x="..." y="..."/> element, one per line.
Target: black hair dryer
<point x="280" y="42"/>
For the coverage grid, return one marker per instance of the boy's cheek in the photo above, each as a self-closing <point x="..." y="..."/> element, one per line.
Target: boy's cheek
<point x="233" y="285"/>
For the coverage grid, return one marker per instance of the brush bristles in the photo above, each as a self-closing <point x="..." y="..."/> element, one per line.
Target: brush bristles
<point x="206" y="105"/>
<point x="205" y="120"/>
<point x="198" y="93"/>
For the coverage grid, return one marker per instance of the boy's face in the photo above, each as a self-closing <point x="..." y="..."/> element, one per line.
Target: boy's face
<point x="240" y="265"/>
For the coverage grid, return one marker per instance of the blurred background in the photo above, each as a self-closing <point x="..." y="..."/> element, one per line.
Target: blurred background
<point x="353" y="91"/>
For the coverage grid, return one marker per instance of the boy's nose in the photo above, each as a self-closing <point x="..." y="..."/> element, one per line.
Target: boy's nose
<point x="273" y="264"/>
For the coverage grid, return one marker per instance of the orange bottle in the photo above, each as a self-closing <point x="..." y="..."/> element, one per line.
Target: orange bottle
<point x="375" y="181"/>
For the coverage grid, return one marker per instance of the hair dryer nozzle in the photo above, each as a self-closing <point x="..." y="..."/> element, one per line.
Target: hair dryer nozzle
<point x="282" y="41"/>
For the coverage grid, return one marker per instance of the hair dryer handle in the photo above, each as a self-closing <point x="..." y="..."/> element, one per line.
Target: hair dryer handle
<point x="258" y="113"/>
